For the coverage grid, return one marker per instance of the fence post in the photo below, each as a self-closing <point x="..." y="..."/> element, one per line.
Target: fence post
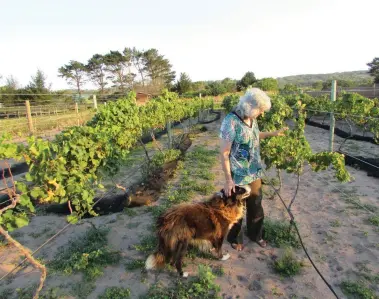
<point x="333" y="94"/>
<point x="94" y="101"/>
<point x="29" y="116"/>
<point x="77" y="112"/>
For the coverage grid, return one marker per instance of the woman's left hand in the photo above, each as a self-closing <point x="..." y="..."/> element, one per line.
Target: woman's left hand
<point x="280" y="132"/>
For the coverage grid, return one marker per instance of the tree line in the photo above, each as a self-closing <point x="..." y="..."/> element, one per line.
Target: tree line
<point x="38" y="90"/>
<point x="118" y="72"/>
<point x="185" y="87"/>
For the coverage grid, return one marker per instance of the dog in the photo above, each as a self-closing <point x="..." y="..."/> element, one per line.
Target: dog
<point x="203" y="224"/>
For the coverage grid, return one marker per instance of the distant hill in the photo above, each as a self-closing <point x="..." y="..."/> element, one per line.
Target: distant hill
<point x="358" y="77"/>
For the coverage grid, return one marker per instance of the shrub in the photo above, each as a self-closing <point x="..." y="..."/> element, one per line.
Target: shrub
<point x="279" y="233"/>
<point x="287" y="265"/>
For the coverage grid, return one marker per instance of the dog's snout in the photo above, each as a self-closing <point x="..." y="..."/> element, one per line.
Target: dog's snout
<point x="244" y="190"/>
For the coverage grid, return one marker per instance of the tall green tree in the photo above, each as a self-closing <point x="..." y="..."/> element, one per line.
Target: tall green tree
<point x="215" y="88"/>
<point x="96" y="69"/>
<point x="247" y="80"/>
<point x="229" y="84"/>
<point x="11" y="83"/>
<point x="39" y="82"/>
<point x="118" y="65"/>
<point x="288" y="88"/>
<point x="38" y="90"/>
<point x="268" y="84"/>
<point x="158" y="68"/>
<point x="317" y="85"/>
<point x="184" y="83"/>
<point x="11" y="87"/>
<point x="374" y="69"/>
<point x="137" y="59"/>
<point x="75" y="74"/>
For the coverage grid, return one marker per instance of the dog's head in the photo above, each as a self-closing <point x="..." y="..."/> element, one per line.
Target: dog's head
<point x="236" y="199"/>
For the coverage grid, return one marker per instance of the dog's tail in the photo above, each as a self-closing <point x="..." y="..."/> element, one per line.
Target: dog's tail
<point x="155" y="260"/>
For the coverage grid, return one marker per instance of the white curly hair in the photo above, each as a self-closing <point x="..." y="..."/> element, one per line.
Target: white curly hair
<point x="254" y="98"/>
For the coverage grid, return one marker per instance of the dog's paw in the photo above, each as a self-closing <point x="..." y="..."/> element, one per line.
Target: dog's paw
<point x="185" y="274"/>
<point x="225" y="257"/>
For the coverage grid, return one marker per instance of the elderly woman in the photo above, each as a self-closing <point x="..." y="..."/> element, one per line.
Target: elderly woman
<point x="241" y="162"/>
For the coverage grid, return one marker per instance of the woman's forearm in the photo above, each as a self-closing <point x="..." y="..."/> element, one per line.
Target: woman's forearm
<point x="226" y="166"/>
<point x="263" y="135"/>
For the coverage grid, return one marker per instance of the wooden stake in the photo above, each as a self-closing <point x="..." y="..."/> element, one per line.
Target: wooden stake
<point x="333" y="94"/>
<point x="29" y="116"/>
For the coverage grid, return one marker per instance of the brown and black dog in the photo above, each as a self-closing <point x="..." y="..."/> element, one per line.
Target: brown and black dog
<point x="196" y="224"/>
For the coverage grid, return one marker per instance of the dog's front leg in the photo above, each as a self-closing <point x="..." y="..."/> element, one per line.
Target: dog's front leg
<point x="218" y="249"/>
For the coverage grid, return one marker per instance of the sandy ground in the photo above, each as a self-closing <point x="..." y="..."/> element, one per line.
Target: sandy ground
<point x="340" y="251"/>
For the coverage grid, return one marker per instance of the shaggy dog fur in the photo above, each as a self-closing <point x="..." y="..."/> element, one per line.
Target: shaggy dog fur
<point x="197" y="224"/>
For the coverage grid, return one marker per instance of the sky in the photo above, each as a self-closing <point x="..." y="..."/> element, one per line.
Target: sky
<point x="208" y="39"/>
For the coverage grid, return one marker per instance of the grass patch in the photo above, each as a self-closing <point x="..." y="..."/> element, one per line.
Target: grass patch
<point x="36" y="235"/>
<point x="288" y="265"/>
<point x="218" y="270"/>
<point x="335" y="223"/>
<point x="115" y="293"/>
<point x="374" y="220"/>
<point x="279" y="234"/>
<point x="87" y="254"/>
<point x="27" y="293"/>
<point x="6" y="293"/>
<point x="371" y="278"/>
<point x="180" y="195"/>
<point x="130" y="212"/>
<point x="205" y="188"/>
<point x="205" y="174"/>
<point x="148" y="244"/>
<point x="203" y="157"/>
<point x="158" y="210"/>
<point x="134" y="265"/>
<point x="357" y="290"/>
<point x="83" y="290"/>
<point x="201" y="287"/>
<point x="194" y="252"/>
<point x="351" y="197"/>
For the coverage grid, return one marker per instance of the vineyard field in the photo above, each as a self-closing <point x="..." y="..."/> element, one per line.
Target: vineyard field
<point x="125" y="148"/>
<point x="337" y="234"/>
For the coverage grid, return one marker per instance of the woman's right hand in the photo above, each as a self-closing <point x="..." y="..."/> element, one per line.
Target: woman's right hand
<point x="229" y="186"/>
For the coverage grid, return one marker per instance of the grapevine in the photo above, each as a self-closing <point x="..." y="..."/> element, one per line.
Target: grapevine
<point x="68" y="168"/>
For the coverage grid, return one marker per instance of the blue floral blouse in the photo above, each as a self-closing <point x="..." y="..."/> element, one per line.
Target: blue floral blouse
<point x="245" y="159"/>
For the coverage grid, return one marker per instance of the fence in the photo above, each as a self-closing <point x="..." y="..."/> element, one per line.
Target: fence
<point x="23" y="118"/>
<point x="368" y="92"/>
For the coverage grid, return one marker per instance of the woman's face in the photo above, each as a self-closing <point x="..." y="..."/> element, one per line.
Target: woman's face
<point x="255" y="112"/>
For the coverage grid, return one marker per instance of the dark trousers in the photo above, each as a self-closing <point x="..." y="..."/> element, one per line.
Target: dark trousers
<point x="254" y="217"/>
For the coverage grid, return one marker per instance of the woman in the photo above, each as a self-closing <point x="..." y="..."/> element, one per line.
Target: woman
<point x="241" y="162"/>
